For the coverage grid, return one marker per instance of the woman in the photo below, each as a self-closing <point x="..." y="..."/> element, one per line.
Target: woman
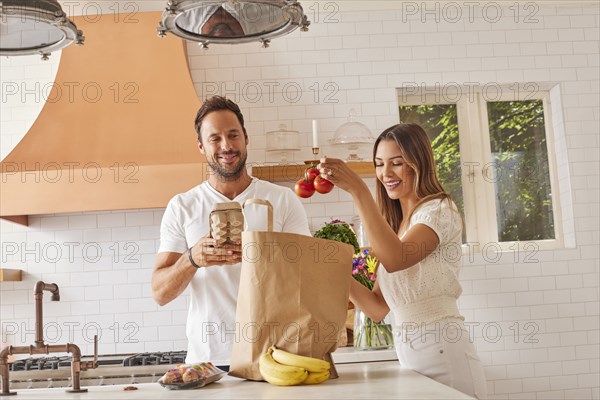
<point x="416" y="235"/>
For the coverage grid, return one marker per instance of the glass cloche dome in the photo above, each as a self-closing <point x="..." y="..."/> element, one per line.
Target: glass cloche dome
<point x="282" y="141"/>
<point x="352" y="134"/>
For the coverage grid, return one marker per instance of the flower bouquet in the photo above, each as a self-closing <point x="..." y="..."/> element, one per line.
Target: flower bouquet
<point x="368" y="334"/>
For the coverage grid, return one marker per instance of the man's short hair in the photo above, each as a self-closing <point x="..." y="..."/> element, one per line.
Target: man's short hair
<point x="217" y="103"/>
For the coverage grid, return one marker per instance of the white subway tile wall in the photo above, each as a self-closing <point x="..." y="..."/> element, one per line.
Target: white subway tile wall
<point x="534" y="317"/>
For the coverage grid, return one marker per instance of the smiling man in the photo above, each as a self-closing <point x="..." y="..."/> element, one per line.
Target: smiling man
<point x="188" y="256"/>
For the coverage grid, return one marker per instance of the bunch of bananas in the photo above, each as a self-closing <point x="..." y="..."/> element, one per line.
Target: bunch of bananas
<point x="281" y="368"/>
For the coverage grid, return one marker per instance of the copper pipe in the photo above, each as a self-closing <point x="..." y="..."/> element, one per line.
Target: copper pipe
<point x="4" y="371"/>
<point x="41" y="348"/>
<point x="38" y="294"/>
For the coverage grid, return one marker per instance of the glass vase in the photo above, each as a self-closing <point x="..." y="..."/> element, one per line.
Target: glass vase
<point x="359" y="231"/>
<point x="371" y="335"/>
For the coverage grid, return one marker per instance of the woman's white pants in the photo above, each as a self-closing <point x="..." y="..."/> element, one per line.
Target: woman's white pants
<point x="442" y="351"/>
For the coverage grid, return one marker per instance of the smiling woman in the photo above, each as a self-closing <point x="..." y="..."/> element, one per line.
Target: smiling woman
<point x="413" y="229"/>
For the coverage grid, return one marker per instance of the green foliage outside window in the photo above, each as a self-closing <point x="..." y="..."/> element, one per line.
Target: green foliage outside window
<point x="520" y="169"/>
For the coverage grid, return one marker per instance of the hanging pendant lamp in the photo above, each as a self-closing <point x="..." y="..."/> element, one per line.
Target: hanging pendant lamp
<point x="35" y="27"/>
<point x="232" y="21"/>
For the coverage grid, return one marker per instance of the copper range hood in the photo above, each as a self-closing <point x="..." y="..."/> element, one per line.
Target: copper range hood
<point x="116" y="131"/>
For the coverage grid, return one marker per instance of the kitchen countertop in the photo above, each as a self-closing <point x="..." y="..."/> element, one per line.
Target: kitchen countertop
<point x="344" y="355"/>
<point x="380" y="380"/>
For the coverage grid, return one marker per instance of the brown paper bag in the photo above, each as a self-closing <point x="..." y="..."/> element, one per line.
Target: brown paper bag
<point x="293" y="294"/>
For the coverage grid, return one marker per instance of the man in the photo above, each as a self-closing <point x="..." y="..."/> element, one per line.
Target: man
<point x="188" y="256"/>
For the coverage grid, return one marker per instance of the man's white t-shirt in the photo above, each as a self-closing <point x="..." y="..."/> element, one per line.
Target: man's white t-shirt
<point x="211" y="316"/>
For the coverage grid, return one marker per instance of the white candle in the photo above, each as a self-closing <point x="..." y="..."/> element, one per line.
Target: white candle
<point x="315" y="129"/>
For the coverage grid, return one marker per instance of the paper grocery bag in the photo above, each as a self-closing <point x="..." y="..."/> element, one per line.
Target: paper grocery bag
<point x="293" y="294"/>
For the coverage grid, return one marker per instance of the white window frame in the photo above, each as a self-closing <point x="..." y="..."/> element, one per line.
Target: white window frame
<point x="476" y="157"/>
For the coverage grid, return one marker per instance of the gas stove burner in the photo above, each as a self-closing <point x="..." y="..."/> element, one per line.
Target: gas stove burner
<point x="37" y="364"/>
<point x="166" y="358"/>
<point x="64" y="362"/>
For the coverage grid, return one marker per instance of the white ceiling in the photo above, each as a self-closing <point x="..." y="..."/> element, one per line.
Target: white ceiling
<point x="129" y="6"/>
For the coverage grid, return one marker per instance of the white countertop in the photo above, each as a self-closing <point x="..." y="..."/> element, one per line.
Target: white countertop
<point x="344" y="355"/>
<point x="374" y="380"/>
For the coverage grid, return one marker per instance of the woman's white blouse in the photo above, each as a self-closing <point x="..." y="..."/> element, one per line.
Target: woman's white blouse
<point x="427" y="291"/>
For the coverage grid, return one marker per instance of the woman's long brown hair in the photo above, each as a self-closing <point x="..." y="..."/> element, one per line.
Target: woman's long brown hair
<point x="416" y="149"/>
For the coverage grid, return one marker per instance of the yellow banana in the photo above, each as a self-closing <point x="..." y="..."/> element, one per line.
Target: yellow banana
<point x="273" y="380"/>
<point x="279" y="374"/>
<point x="316" y="377"/>
<point x="309" y="363"/>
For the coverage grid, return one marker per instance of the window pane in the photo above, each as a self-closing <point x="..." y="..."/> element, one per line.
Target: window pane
<point x="441" y="124"/>
<point x="521" y="173"/>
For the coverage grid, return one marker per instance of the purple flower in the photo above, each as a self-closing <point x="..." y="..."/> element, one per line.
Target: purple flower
<point x="360" y="269"/>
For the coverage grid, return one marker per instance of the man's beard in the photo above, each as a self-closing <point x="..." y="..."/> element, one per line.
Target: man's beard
<point x="226" y="174"/>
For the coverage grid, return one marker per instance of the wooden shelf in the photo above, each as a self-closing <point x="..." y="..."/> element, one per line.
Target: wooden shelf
<point x="18" y="219"/>
<point x="293" y="172"/>
<point x="11" y="275"/>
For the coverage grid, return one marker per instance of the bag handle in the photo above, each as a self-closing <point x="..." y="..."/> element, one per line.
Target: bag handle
<point x="269" y="211"/>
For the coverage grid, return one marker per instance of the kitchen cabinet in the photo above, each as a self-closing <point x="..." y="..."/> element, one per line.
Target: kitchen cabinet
<point x="293" y="172"/>
<point x="371" y="380"/>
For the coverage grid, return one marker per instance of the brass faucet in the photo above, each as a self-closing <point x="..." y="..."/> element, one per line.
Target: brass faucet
<point x="40" y="348"/>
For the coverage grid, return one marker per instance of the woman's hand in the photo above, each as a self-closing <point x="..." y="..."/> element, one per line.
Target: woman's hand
<point x="338" y="172"/>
